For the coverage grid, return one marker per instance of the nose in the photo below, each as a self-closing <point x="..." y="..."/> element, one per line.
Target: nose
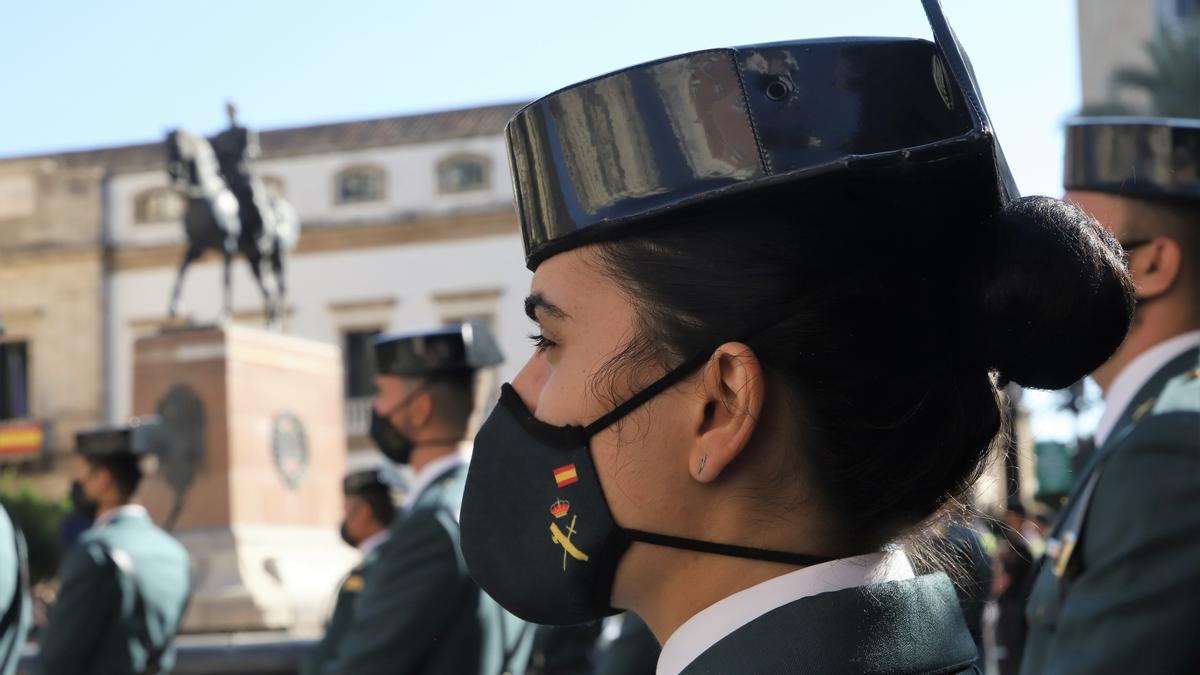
<point x="531" y="380"/>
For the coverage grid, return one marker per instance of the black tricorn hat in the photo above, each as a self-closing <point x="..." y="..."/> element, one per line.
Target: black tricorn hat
<point x="1149" y="157"/>
<point x="363" y="482"/>
<point x="592" y="159"/>
<point x="142" y="436"/>
<point x="461" y="348"/>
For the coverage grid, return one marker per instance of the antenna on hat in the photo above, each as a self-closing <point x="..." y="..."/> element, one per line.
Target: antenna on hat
<point x="960" y="67"/>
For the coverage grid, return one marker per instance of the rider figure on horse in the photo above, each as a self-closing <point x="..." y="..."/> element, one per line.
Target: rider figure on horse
<point x="236" y="147"/>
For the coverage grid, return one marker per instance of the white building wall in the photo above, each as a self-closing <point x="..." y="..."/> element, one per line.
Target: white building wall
<point x="413" y="275"/>
<point x="1113" y="35"/>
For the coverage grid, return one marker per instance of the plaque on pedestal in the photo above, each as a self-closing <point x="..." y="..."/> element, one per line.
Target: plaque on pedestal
<point x="250" y="481"/>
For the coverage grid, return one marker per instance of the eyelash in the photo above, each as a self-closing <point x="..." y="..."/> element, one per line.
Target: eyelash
<point x="540" y="342"/>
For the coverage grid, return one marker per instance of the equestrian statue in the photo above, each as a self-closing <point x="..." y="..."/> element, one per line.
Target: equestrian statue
<point x="229" y="211"/>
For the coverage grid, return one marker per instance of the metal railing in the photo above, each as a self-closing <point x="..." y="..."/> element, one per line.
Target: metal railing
<point x="358" y="416"/>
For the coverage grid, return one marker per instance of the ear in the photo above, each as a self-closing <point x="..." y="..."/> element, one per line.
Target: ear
<point x="1156" y="267"/>
<point x="356" y="511"/>
<point x="420" y="410"/>
<point x="732" y="388"/>
<point x="104" y="480"/>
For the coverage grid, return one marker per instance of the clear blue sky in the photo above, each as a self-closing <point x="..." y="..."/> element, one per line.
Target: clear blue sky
<point x="87" y="74"/>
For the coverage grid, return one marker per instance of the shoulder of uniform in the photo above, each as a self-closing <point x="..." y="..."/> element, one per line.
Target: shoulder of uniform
<point x="448" y="492"/>
<point x="354" y="581"/>
<point x="94" y="539"/>
<point x="1180" y="394"/>
<point x="431" y="525"/>
<point x="418" y="516"/>
<point x="89" y="554"/>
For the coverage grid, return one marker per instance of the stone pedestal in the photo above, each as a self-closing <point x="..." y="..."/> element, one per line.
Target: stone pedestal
<point x="251" y="477"/>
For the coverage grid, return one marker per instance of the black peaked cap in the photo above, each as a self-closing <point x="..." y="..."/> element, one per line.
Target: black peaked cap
<point x="1149" y="157"/>
<point x="460" y="348"/>
<point x="592" y="161"/>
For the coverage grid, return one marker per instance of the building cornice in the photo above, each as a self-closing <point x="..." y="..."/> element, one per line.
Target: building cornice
<point x="49" y="254"/>
<point x="323" y="238"/>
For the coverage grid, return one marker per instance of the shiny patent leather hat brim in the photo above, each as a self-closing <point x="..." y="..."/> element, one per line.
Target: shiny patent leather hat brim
<point x="460" y="348"/>
<point x="1144" y="157"/>
<point x="593" y="160"/>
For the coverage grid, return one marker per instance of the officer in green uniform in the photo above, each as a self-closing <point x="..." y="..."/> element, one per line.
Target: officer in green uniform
<point x="16" y="615"/>
<point x="770" y="284"/>
<point x="1119" y="588"/>
<point x="369" y="512"/>
<point x="419" y="611"/>
<point x="125" y="582"/>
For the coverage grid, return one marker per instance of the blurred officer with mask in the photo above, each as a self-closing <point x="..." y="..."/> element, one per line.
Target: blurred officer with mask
<point x="419" y="611"/>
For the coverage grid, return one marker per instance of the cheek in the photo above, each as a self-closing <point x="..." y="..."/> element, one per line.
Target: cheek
<point x="558" y="393"/>
<point x="639" y="467"/>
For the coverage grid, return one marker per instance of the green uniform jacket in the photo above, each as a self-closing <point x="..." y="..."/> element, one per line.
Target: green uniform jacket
<point x="564" y="650"/>
<point x="93" y="626"/>
<point x="898" y="627"/>
<point x="14" y="595"/>
<point x="419" y="611"/>
<point x="634" y="651"/>
<point x="1119" y="588"/>
<point x="326" y="651"/>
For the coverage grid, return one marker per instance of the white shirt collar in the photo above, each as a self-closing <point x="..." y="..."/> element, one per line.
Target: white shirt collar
<point x="723" y="617"/>
<point x="127" y="510"/>
<point x="368" y="545"/>
<point x="434" y="470"/>
<point x="1135" y="375"/>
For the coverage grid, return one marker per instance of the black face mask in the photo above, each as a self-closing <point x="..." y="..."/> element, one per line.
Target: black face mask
<point x="393" y="443"/>
<point x="80" y="503"/>
<point x="345" y="533"/>
<point x="537" y="533"/>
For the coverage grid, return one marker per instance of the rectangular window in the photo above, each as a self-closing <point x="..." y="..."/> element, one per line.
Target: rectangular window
<point x="359" y="185"/>
<point x="359" y="353"/>
<point x="14" y="385"/>
<point x="462" y="176"/>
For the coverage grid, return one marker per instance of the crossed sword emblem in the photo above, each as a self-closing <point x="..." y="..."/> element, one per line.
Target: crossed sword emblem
<point x="564" y="540"/>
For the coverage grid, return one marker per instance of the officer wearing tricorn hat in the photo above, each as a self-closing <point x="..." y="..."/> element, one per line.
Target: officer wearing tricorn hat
<point x="368" y="514"/>
<point x="419" y="611"/>
<point x="16" y="615"/>
<point x="1117" y="589"/>
<point x="773" y="287"/>
<point x="125" y="582"/>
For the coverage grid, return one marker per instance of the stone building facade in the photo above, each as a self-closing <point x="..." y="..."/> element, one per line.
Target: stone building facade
<point x="52" y="263"/>
<point x="407" y="223"/>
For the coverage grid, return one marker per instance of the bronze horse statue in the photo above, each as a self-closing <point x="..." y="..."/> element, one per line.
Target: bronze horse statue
<point x="229" y="211"/>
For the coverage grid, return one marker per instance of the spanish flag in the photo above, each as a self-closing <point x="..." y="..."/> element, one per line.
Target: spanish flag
<point x="565" y="475"/>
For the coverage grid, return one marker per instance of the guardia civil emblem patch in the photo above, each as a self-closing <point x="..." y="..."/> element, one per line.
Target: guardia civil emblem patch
<point x="563" y="539"/>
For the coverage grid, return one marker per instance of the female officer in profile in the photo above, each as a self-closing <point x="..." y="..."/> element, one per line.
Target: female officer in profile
<point x="775" y="289"/>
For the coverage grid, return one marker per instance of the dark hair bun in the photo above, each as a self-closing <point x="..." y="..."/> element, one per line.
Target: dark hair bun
<point x="1054" y="296"/>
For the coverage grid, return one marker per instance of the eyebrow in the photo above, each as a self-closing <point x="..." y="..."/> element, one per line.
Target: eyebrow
<point x="537" y="301"/>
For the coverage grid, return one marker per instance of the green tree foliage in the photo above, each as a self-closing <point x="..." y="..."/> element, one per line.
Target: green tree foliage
<point x="39" y="519"/>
